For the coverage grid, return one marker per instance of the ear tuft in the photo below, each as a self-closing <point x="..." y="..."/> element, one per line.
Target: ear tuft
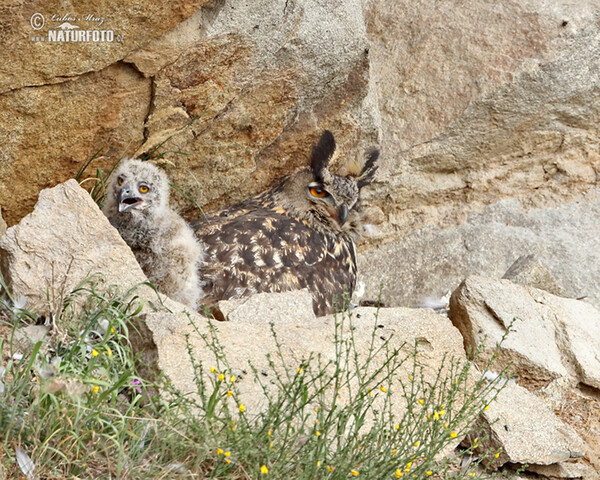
<point x="368" y="171"/>
<point x="321" y="154"/>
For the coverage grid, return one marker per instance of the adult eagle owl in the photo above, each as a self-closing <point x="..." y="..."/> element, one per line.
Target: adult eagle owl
<point x="297" y="235"/>
<point x="137" y="205"/>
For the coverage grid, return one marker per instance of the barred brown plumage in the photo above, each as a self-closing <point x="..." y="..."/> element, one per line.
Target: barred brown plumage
<point x="297" y="235"/>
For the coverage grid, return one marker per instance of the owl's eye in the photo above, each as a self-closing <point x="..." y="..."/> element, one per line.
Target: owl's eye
<point x="317" y="192"/>
<point x="144" y="189"/>
<point x="120" y="181"/>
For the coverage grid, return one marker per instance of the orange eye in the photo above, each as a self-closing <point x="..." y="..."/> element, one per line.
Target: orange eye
<point x="144" y="189"/>
<point x="120" y="181"/>
<point x="317" y="192"/>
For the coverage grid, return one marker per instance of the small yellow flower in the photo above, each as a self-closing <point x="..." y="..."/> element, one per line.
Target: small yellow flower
<point x="221" y="377"/>
<point x="95" y="353"/>
<point x="112" y="330"/>
<point x="271" y="445"/>
<point x="436" y="415"/>
<point x="264" y="470"/>
<point x="232" y="379"/>
<point x="370" y="393"/>
<point x="317" y="433"/>
<point x="109" y="351"/>
<point x="421" y="401"/>
<point x="316" y="421"/>
<point x="417" y="443"/>
<point x="227" y="461"/>
<point x="318" y="464"/>
<point x="233" y="428"/>
<point x="219" y="451"/>
<point x="472" y="474"/>
<point x="95" y="389"/>
<point x="453" y="434"/>
<point x="269" y="432"/>
<point x="487" y="407"/>
<point x="330" y="468"/>
<point x="354" y="473"/>
<point x="410" y="377"/>
<point x="442" y="413"/>
<point x="316" y="409"/>
<point x="497" y="455"/>
<point x="227" y="453"/>
<point x="383" y="389"/>
<point x="428" y="472"/>
<point x="399" y="473"/>
<point x="408" y="465"/>
<point x="213" y="369"/>
<point x="242" y="407"/>
<point x="229" y="393"/>
<point x="445" y="425"/>
<point x="394" y="452"/>
<point x="397" y="426"/>
<point x="300" y="371"/>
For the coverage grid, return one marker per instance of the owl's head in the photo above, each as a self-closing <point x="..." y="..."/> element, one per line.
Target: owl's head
<point x="137" y="188"/>
<point x="326" y="199"/>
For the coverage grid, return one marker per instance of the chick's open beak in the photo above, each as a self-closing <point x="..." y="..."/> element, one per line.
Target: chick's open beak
<point x="128" y="200"/>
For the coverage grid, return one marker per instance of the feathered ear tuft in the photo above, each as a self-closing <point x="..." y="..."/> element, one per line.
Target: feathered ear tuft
<point x="368" y="171"/>
<point x="321" y="154"/>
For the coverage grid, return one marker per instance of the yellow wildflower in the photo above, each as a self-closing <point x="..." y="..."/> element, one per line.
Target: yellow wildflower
<point x="242" y="407"/>
<point x="95" y="389"/>
<point x="383" y="389"/>
<point x="213" y="369"/>
<point x="221" y="377"/>
<point x="421" y="401"/>
<point x="300" y="371"/>
<point x="399" y="473"/>
<point x="354" y="473"/>
<point x="317" y="433"/>
<point x="219" y="451"/>
<point x="94" y="353"/>
<point x="428" y="472"/>
<point x="229" y="393"/>
<point x="330" y="468"/>
<point x="453" y="434"/>
<point x="397" y="426"/>
<point x="264" y="470"/>
<point x="417" y="443"/>
<point x="108" y="351"/>
<point x="232" y="379"/>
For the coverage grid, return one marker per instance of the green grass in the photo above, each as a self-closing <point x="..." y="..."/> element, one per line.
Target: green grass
<point x="79" y="408"/>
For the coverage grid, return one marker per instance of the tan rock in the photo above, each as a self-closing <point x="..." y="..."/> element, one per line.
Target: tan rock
<point x="526" y="431"/>
<point x="482" y="103"/>
<point x="62" y="242"/>
<point x="38" y="63"/>
<point x="550" y="336"/>
<point x="47" y="140"/>
<point x="265" y="308"/>
<point x="259" y="82"/>
<point x="485" y="308"/>
<point x="247" y="341"/>
<point x="578" y="470"/>
<point x="3" y="225"/>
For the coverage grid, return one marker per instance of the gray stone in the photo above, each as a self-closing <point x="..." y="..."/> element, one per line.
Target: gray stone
<point x="432" y="260"/>
<point x="269" y="307"/>
<point x="526" y="431"/>
<point x="528" y="271"/>
<point x="63" y="241"/>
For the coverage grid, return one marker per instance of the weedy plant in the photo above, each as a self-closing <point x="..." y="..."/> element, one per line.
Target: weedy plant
<point x="75" y="406"/>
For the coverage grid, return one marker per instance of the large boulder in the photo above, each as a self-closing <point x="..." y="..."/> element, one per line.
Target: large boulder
<point x="65" y="240"/>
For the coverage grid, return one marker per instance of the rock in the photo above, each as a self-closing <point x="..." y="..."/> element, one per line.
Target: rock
<point x="528" y="271"/>
<point x="485" y="308"/>
<point x="432" y="260"/>
<point x="36" y="63"/>
<point x="257" y="83"/>
<point x="565" y="470"/>
<point x="550" y="337"/>
<point x="526" y="431"/>
<point x="3" y="225"/>
<point x="247" y="341"/>
<point x="62" y="242"/>
<point x="269" y="307"/>
<point x="47" y="140"/>
<point x="482" y="103"/>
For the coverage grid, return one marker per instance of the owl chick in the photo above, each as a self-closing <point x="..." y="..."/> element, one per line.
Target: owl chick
<point x="297" y="235"/>
<point x="137" y="205"/>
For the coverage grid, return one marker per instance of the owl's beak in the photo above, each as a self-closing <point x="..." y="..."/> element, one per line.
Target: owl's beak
<point x="128" y="200"/>
<point x="342" y="214"/>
